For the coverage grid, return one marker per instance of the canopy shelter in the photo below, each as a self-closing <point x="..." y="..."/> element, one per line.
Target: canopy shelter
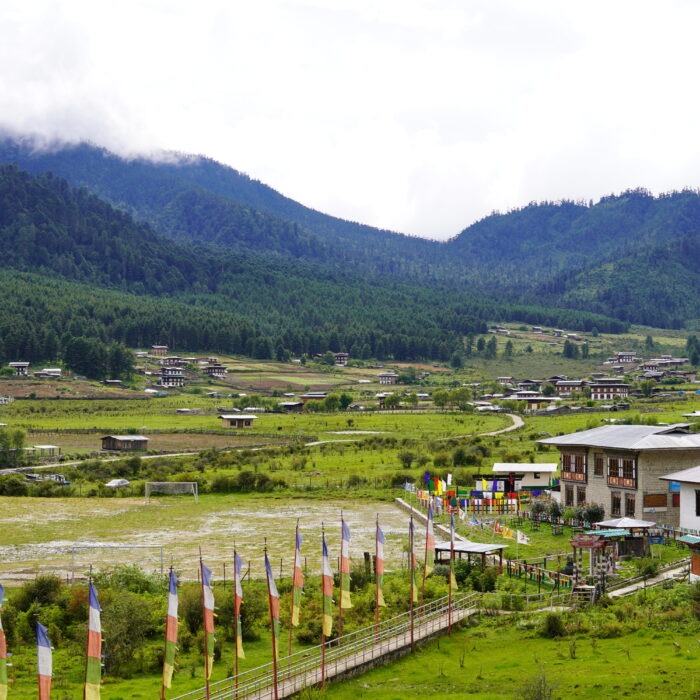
<point x="629" y="523"/>
<point x="635" y="542"/>
<point x="442" y="551"/>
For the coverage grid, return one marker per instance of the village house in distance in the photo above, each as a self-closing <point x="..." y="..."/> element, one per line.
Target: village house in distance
<point x="621" y="467"/>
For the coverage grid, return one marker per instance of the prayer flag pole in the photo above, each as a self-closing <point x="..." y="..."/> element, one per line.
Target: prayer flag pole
<point x="449" y="587"/>
<point x="208" y="621"/>
<point x="297" y="586"/>
<point x="327" y="595"/>
<point x="412" y="568"/>
<point x="237" y="600"/>
<point x="429" y="549"/>
<point x="274" y="601"/>
<point x="170" y="635"/>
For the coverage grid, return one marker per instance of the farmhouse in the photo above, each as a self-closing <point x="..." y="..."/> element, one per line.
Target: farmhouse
<point x="620" y="467"/>
<point x="609" y="389"/>
<point x="21" y="368"/>
<point x="159" y="349"/>
<point x="237" y="420"/>
<point x="388" y="378"/>
<point x="215" y="371"/>
<point x="172" y="377"/>
<point x="124" y="442"/>
<point x="341" y="358"/>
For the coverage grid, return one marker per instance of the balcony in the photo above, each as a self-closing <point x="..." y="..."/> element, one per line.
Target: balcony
<point x="574" y="476"/>
<point x="622" y="482"/>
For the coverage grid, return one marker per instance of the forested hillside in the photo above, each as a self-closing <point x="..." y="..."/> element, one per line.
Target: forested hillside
<point x="632" y="257"/>
<point x="75" y="267"/>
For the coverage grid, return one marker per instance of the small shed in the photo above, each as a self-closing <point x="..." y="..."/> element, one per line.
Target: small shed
<point x="237" y="420"/>
<point x="480" y="550"/>
<point x="124" y="442"/>
<point x="292" y="406"/>
<point x="526" y="476"/>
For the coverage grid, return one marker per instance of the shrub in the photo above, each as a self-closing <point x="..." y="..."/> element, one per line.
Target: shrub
<point x="553" y="626"/>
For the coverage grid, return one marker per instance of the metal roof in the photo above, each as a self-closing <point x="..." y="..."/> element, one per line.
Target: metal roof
<point x="685" y="476"/>
<point x="612" y="532"/>
<point x="527" y="467"/>
<point x="631" y="437"/>
<point x="470" y="547"/>
<point x="625" y="522"/>
<point x="126" y="437"/>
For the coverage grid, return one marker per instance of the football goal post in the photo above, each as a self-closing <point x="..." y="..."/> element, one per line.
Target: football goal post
<point x="171" y="488"/>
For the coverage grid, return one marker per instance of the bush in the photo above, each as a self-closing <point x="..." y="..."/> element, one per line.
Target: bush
<point x="13" y="485"/>
<point x="553" y="626"/>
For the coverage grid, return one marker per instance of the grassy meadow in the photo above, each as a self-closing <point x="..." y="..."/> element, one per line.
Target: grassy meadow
<point x="256" y="484"/>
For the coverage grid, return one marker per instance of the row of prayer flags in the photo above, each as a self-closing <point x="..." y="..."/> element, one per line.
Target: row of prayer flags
<point x="93" y="674"/>
<point x="3" y="652"/>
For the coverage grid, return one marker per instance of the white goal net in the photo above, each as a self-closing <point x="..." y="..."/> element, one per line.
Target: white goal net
<point x="171" y="488"/>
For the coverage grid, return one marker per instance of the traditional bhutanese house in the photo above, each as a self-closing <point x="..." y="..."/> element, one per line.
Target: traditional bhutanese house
<point x="21" y="368"/>
<point x="124" y="442"/>
<point x="525" y="476"/>
<point x="388" y="377"/>
<point x="172" y="377"/>
<point x="609" y="389"/>
<point x="566" y="387"/>
<point x="292" y="406"/>
<point x="159" y="350"/>
<point x="621" y="467"/>
<point x="534" y="400"/>
<point x="171" y="361"/>
<point x="216" y="371"/>
<point x="341" y="358"/>
<point x="237" y="420"/>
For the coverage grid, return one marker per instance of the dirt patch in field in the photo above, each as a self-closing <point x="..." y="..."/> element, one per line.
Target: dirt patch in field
<point x="174" y="529"/>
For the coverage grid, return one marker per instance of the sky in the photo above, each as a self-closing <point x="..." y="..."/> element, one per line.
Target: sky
<point x="418" y="116"/>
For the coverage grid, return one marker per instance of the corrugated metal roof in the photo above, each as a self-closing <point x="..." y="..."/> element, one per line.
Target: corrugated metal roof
<point x="528" y="467"/>
<point x="631" y="437"/>
<point x="686" y="476"/>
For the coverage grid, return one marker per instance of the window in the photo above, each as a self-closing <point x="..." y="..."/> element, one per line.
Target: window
<point x="628" y="468"/>
<point x="697" y="502"/>
<point x="613" y="466"/>
<point x="580" y="495"/>
<point x="568" y="495"/>
<point x="629" y="506"/>
<point x="615" y="504"/>
<point x="598" y="465"/>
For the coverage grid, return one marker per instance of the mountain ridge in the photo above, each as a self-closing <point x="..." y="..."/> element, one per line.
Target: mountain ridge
<point x="614" y="257"/>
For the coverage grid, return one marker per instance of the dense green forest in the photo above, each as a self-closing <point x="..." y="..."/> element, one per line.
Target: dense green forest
<point x="74" y="267"/>
<point x="633" y="257"/>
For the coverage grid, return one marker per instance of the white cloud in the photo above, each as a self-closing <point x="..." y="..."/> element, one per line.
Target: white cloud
<point x="414" y="115"/>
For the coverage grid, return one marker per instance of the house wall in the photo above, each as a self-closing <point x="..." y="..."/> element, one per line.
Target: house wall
<point x="651" y="465"/>
<point x="688" y="519"/>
